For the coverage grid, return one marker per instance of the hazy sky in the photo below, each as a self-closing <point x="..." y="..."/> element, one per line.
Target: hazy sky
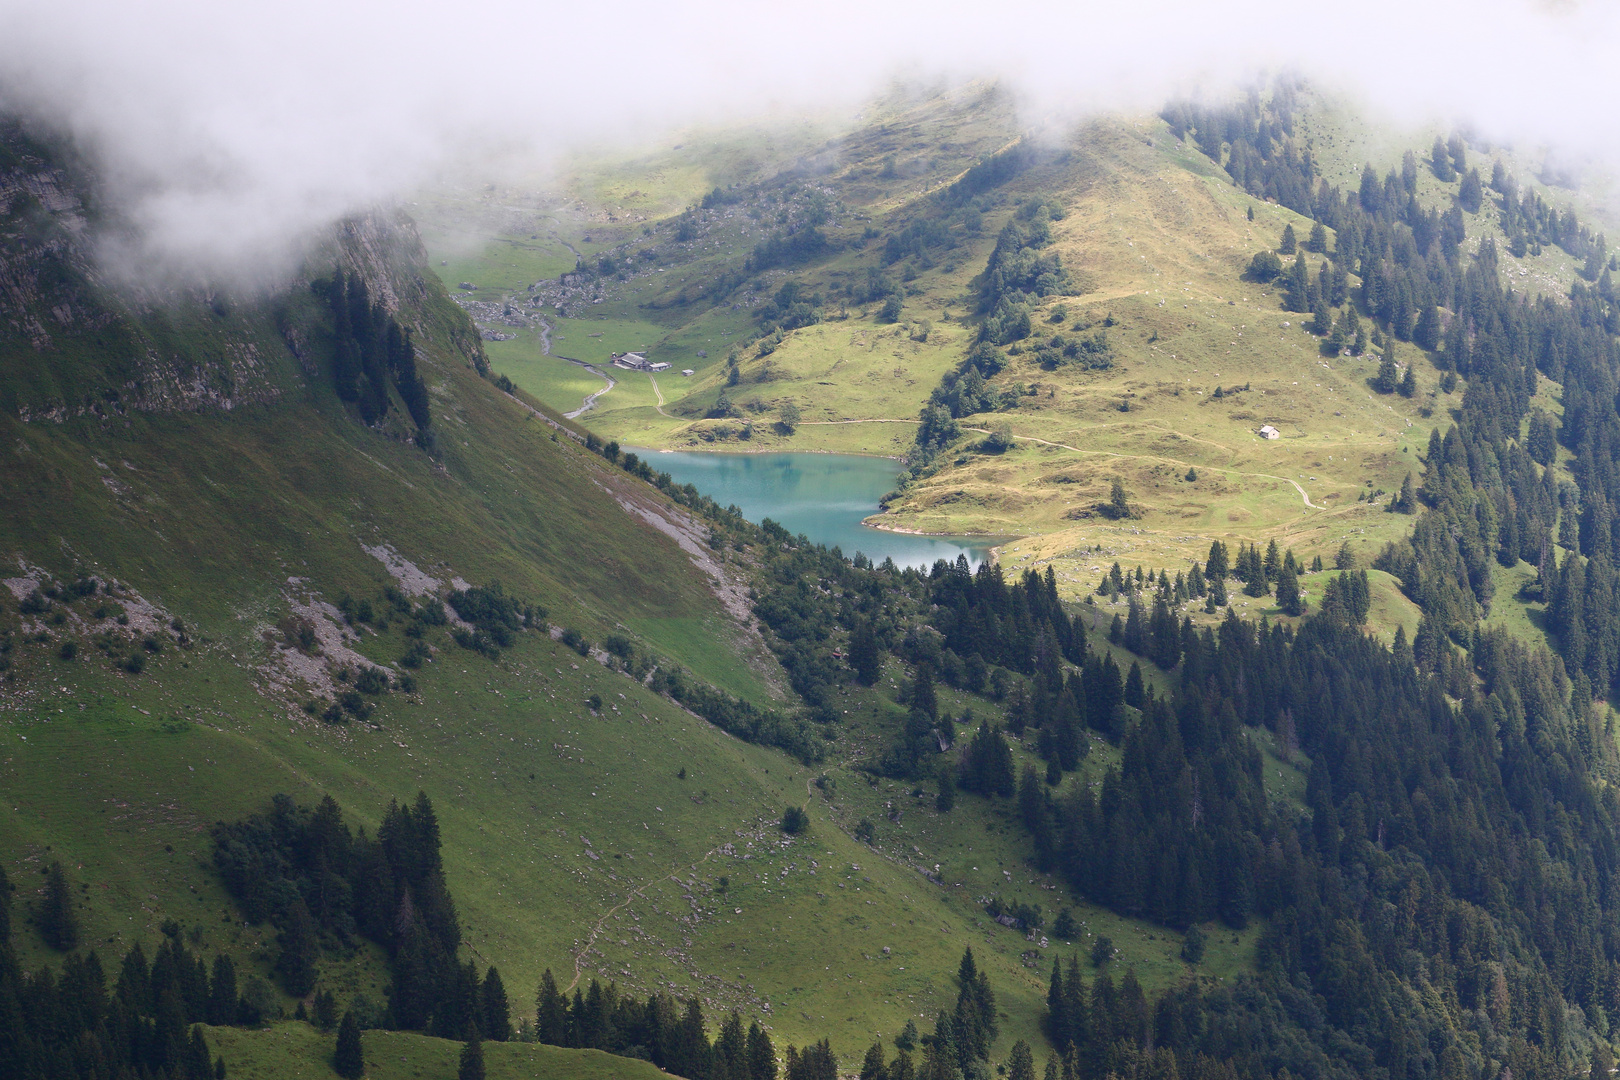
<point x="232" y="130"/>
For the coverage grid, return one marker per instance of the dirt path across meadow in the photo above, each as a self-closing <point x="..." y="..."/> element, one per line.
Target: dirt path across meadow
<point x="601" y="924"/>
<point x="590" y="399"/>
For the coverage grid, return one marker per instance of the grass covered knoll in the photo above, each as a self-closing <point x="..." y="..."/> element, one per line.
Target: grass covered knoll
<point x="296" y="1051"/>
<point x="1162" y="242"/>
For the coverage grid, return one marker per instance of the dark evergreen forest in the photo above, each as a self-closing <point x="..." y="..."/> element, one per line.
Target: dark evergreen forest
<point x="370" y="350"/>
<point x="72" y="1023"/>
<point x="324" y="888"/>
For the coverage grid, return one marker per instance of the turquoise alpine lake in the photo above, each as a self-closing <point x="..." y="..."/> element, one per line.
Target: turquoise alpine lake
<point x="823" y="496"/>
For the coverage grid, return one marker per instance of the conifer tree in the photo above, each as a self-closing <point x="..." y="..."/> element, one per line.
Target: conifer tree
<point x="1568" y="531"/>
<point x="864" y="655"/>
<point x="1297" y="286"/>
<point x="1457" y="150"/>
<point x="58" y="922"/>
<point x="1288" y="245"/>
<point x="471" y="1064"/>
<point x="1406" y="501"/>
<point x="1440" y="162"/>
<point x="1321" y="317"/>
<point x="873" y="1067"/>
<point x="495" y="1014"/>
<point x="1399" y="647"/>
<point x="690" y="1053"/>
<point x="1317" y="241"/>
<point x="1135" y="637"/>
<point x="325" y="1011"/>
<point x="1471" y="194"/>
<point x="923" y="699"/>
<point x="1371" y="192"/>
<point x="1338" y="285"/>
<point x="1288" y="595"/>
<point x="1020" y="1063"/>
<point x="1134" y="693"/>
<point x="1388" y="377"/>
<point x="401" y="351"/>
<point x="551" y="1012"/>
<point x="1119" y="503"/>
<point x="761" y="1054"/>
<point x="1426" y="334"/>
<point x="349" y="1059"/>
<point x="300" y="949"/>
<point x="346" y="357"/>
<point x="945" y="801"/>
<point x="1338" y="339"/>
<point x="222" y="1003"/>
<point x="195" y="1063"/>
<point x="1541" y="441"/>
<point x="1602" y="1064"/>
<point x="1408" y="384"/>
<point x="1257" y="585"/>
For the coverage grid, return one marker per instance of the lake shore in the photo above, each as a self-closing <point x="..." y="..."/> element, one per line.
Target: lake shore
<point x="833" y="499"/>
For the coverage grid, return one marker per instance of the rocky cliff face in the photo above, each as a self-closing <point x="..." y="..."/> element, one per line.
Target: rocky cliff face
<point x="44" y="231"/>
<point x="74" y="345"/>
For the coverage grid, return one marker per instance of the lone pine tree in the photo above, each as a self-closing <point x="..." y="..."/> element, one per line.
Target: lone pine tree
<point x="471" y="1064"/>
<point x="349" y="1058"/>
<point x="58" y="922"/>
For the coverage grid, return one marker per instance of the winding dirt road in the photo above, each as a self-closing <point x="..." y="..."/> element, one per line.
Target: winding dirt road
<point x="659" y="394"/>
<point x="590" y="400"/>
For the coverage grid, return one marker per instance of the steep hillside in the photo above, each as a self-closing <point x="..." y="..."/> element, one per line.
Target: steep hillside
<point x="218" y="598"/>
<point x="1156" y="240"/>
<point x="321" y="543"/>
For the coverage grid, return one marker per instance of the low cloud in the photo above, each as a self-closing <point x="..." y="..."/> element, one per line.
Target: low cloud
<point x="231" y="133"/>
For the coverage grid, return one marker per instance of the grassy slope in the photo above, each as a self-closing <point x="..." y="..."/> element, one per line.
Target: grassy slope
<point x="1158" y="238"/>
<point x="1163" y="240"/>
<point x="293" y="1051"/>
<point x="521" y="770"/>
<point x="898" y="149"/>
<point x="208" y="515"/>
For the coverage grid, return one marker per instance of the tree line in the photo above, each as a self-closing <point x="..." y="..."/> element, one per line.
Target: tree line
<point x="1420" y="811"/>
<point x="324" y="886"/>
<point x="146" y="1024"/>
<point x="371" y="351"/>
<point x="672" y="1035"/>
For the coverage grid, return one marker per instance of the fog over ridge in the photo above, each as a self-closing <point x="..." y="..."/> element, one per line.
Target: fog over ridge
<point x="229" y="133"/>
